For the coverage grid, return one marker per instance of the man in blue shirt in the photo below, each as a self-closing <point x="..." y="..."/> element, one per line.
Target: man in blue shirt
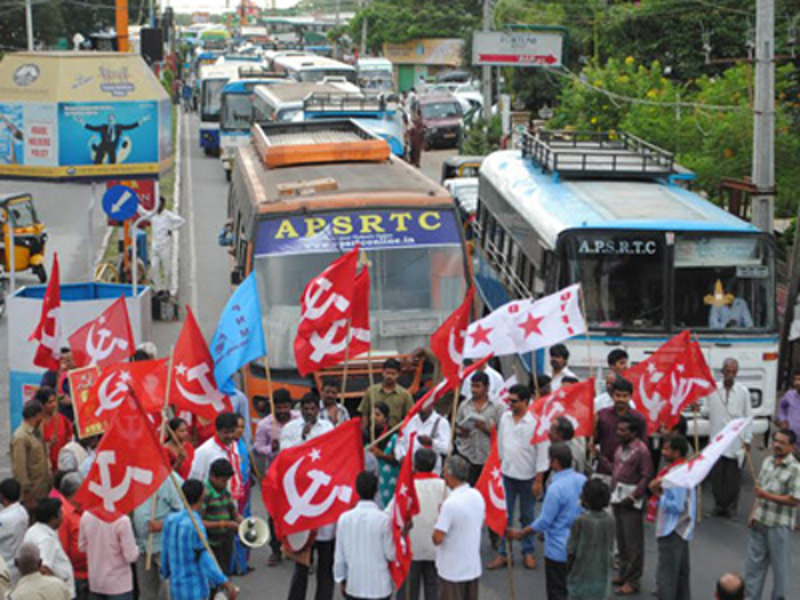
<point x="677" y="511"/>
<point x="561" y="506"/>
<point x="192" y="572"/>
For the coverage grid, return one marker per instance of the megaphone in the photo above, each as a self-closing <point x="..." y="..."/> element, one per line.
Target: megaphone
<point x="254" y="532"/>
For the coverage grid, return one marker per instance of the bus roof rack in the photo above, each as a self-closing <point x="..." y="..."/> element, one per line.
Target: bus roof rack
<point x="254" y="71"/>
<point x="344" y="103"/>
<point x="602" y="154"/>
<point x="307" y="142"/>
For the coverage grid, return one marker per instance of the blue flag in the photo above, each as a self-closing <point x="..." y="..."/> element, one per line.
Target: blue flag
<point x="239" y="338"/>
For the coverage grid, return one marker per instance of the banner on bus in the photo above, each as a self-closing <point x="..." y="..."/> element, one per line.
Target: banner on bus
<point x="338" y="232"/>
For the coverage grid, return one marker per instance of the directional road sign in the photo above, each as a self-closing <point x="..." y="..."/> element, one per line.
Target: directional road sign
<point x="120" y="202"/>
<point x="518" y="48"/>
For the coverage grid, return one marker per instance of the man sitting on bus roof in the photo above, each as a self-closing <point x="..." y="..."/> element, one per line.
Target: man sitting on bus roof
<point x="396" y="397"/>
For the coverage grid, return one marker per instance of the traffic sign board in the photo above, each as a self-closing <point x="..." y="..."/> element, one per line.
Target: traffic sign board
<point x="518" y="48"/>
<point x="120" y="202"/>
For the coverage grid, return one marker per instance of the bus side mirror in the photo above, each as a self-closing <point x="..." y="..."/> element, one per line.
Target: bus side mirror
<point x="236" y="276"/>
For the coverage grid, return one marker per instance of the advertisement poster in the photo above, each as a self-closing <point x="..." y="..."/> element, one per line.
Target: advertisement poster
<point x="12" y="138"/>
<point x="108" y="133"/>
<point x="80" y="382"/>
<point x="342" y="231"/>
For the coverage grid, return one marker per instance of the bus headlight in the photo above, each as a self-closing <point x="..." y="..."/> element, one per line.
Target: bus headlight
<point x="756" y="398"/>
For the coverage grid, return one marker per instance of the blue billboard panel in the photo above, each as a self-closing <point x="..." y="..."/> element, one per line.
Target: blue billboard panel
<point x="372" y="229"/>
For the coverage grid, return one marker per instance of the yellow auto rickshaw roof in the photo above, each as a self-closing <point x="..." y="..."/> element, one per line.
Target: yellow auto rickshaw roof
<point x="9" y="198"/>
<point x="77" y="77"/>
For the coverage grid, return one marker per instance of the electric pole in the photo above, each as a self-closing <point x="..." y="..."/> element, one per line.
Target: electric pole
<point x="763" y="174"/>
<point x="486" y="71"/>
<point x="29" y="24"/>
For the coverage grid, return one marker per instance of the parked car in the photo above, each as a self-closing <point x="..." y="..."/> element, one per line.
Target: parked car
<point x="443" y="118"/>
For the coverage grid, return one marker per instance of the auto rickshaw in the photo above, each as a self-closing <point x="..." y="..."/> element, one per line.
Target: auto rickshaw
<point x="461" y="166"/>
<point x="18" y="215"/>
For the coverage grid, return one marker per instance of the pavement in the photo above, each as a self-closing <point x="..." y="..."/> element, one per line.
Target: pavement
<point x="719" y="545"/>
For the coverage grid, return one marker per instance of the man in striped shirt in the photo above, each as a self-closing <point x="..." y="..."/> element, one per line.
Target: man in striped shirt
<point x="192" y="572"/>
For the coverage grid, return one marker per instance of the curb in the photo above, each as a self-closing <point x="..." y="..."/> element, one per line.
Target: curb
<point x="176" y="205"/>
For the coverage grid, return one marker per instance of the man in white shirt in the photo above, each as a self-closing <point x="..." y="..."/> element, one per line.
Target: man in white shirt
<point x="617" y="364"/>
<point x="364" y="546"/>
<point x="523" y="466"/>
<point x="496" y="381"/>
<point x="457" y="535"/>
<point x="295" y="433"/>
<point x="13" y="522"/>
<point x="162" y="224"/>
<point x="44" y="535"/>
<point x="220" y="445"/>
<point x="559" y="357"/>
<point x="431" y="492"/>
<point x="731" y="401"/>
<point x="432" y="431"/>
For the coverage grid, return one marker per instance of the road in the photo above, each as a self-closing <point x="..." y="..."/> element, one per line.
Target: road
<point x="719" y="545"/>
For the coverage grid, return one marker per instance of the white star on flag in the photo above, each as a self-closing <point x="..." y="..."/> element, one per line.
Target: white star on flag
<point x="181" y="369"/>
<point x="125" y="376"/>
<point x="315" y="454"/>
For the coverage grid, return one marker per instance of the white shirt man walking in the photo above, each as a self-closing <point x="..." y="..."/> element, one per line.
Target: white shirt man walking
<point x="162" y="224"/>
<point x="731" y="401"/>
<point x="364" y="546"/>
<point x="457" y="535"/>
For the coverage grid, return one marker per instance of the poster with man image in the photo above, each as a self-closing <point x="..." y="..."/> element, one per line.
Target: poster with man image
<point x="118" y="133"/>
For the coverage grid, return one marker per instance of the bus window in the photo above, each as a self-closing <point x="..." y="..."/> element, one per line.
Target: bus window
<point x="235" y="112"/>
<point x="723" y="282"/>
<point x="622" y="275"/>
<point x="212" y="98"/>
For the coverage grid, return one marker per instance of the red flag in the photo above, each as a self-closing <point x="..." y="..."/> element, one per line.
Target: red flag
<point x="105" y="340"/>
<point x="310" y="485"/>
<point x="443" y="387"/>
<point x="406" y="505"/>
<point x="575" y="402"/>
<point x="194" y="388"/>
<point x="326" y="306"/>
<point x="48" y="331"/>
<point x="675" y="376"/>
<point x="129" y="467"/>
<point x="147" y="378"/>
<point x="447" y="342"/>
<point x="490" y="485"/>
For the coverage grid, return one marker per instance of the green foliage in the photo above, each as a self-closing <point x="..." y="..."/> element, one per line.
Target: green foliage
<point x="400" y="21"/>
<point x="483" y="137"/>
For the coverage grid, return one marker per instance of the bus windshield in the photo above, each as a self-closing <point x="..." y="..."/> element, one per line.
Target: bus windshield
<point x="417" y="276"/>
<point x="317" y="75"/>
<point x="723" y="283"/>
<point x="622" y="276"/>
<point x="236" y="109"/>
<point x="211" y="99"/>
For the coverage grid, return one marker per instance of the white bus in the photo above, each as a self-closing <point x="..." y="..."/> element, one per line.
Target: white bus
<point x="284" y="103"/>
<point x="605" y="210"/>
<point x="310" y="69"/>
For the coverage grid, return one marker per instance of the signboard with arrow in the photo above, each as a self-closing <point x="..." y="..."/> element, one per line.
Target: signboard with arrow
<point x="518" y="48"/>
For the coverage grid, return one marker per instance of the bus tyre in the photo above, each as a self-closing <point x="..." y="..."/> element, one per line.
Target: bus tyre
<point x="228" y="175"/>
<point x="41" y="273"/>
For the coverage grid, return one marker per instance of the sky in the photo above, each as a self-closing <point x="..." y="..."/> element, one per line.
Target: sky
<point x="218" y="6"/>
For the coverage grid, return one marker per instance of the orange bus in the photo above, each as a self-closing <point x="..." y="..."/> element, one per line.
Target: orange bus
<point x="304" y="193"/>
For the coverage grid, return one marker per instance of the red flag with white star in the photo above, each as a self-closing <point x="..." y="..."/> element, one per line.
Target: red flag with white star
<point x="447" y="342"/>
<point x="671" y="379"/>
<point x="575" y="402"/>
<point x="523" y="326"/>
<point x="194" y="388"/>
<point x="490" y="485"/>
<point x="310" y="485"/>
<point x="106" y="340"/>
<point x="405" y="506"/>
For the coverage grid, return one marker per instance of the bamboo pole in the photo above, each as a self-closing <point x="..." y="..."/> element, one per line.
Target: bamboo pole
<point x="192" y="517"/>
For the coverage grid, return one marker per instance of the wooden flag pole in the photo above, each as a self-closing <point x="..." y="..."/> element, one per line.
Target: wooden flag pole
<point x="148" y="558"/>
<point x="193" y="518"/>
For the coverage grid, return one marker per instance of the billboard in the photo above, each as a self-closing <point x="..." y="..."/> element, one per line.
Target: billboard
<point x="434" y="51"/>
<point x="75" y="115"/>
<point x="518" y="48"/>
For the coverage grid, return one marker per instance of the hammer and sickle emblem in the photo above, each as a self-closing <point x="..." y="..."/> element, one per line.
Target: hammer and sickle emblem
<point x="498" y="499"/>
<point x="111" y="494"/>
<point x="302" y="505"/>
<point x="210" y="394"/>
<point x="101" y="351"/>
<point x="110" y="401"/>
<point x="325" y="345"/>
<point x="313" y="296"/>
<point x="455" y="353"/>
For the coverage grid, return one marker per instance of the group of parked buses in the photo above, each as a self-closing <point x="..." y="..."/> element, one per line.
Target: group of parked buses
<point x="301" y="146"/>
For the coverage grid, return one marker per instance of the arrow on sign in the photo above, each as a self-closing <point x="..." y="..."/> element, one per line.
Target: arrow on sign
<point x="115" y="208"/>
